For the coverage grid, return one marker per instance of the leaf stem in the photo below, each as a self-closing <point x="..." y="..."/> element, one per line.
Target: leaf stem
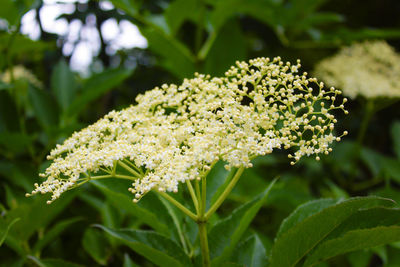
<point x="225" y="194"/>
<point x="178" y="205"/>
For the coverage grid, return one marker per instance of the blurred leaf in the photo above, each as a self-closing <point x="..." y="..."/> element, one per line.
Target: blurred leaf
<point x="44" y="107"/>
<point x="354" y="240"/>
<point x="251" y="252"/>
<point x="289" y="192"/>
<point x="54" y="233"/>
<point x="395" y="131"/>
<point x="225" y="235"/>
<point x="176" y="57"/>
<point x="176" y="218"/>
<point x="155" y="247"/>
<point x="221" y="56"/>
<point x="63" y="84"/>
<point x="12" y="11"/>
<point x="128" y="262"/>
<point x="53" y="262"/>
<point x="392" y="168"/>
<point x="19" y="173"/>
<point x="360" y="258"/>
<point x="9" y="119"/>
<point x="336" y="191"/>
<point x="22" y="46"/>
<point x="95" y="243"/>
<point x="32" y="215"/>
<point x="4" y="86"/>
<point x="372" y="159"/>
<point x="130" y="7"/>
<point x="15" y="142"/>
<point x="225" y="9"/>
<point x="179" y="11"/>
<point x="5" y="228"/>
<point x="123" y="201"/>
<point x="97" y="85"/>
<point x="292" y="246"/>
<point x="110" y="214"/>
<point x="346" y="36"/>
<point x="217" y="179"/>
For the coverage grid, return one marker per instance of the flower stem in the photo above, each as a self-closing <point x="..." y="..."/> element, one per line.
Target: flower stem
<point x="204" y="243"/>
<point x="178" y="205"/>
<point x="369" y="110"/>
<point x="225" y="194"/>
<point x="129" y="169"/>
<point x="193" y="195"/>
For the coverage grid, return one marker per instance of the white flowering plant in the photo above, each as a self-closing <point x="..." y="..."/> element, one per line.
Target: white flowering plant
<point x="204" y="172"/>
<point x="175" y="135"/>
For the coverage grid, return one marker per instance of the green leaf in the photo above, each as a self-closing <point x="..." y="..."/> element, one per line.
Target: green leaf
<point x="128" y="262"/>
<point x="302" y="212"/>
<point x="8" y="113"/>
<point x="44" y="107"/>
<point x="54" y="233"/>
<point x="372" y="159"/>
<point x="124" y="201"/>
<point x="217" y="179"/>
<point x="110" y="215"/>
<point x="391" y="168"/>
<point x="15" y="142"/>
<point x="177" y="220"/>
<point x="130" y="7"/>
<point x="53" y="262"/>
<point x="395" y="131"/>
<point x="12" y="11"/>
<point x="299" y="240"/>
<point x="179" y="11"/>
<point x="175" y="56"/>
<point x="367" y="218"/>
<point x="360" y="258"/>
<point x="5" y="228"/>
<point x="225" y="9"/>
<point x="354" y="240"/>
<point x="96" y="86"/>
<point x="155" y="247"/>
<point x="251" y="252"/>
<point x="36" y="214"/>
<point x="63" y="84"/>
<point x="224" y="236"/>
<point x="221" y="55"/>
<point x="95" y="243"/>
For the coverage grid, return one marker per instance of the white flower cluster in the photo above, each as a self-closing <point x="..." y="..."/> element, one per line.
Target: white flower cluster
<point x="19" y="72"/>
<point x="370" y="69"/>
<point x="176" y="133"/>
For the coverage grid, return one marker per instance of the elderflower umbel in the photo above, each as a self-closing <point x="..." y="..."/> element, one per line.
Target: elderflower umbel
<point x="19" y="72"/>
<point x="176" y="133"/>
<point x="370" y="69"/>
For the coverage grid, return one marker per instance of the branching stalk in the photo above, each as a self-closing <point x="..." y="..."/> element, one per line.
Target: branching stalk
<point x="178" y="205"/>
<point x="225" y="194"/>
<point x="193" y="195"/>
<point x="129" y="169"/>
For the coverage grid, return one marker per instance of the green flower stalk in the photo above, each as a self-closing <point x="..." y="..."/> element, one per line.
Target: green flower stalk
<point x="175" y="134"/>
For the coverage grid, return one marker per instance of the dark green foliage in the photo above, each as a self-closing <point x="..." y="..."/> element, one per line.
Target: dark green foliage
<point x="335" y="212"/>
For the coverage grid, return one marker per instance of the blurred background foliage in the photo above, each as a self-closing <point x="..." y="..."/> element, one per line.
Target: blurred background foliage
<point x="43" y="100"/>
